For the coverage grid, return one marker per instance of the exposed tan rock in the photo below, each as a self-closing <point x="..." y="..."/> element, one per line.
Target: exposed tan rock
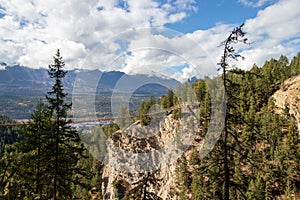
<point x="288" y="97"/>
<point x="138" y="149"/>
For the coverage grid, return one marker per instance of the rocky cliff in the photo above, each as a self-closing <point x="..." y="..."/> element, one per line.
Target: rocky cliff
<point x="288" y="98"/>
<point x="146" y="156"/>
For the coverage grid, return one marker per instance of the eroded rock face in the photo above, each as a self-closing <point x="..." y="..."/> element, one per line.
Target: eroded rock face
<point x="155" y="148"/>
<point x="289" y="98"/>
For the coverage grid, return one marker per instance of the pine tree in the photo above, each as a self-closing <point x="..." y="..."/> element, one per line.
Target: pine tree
<point x="183" y="177"/>
<point x="45" y="163"/>
<point x="143" y="111"/>
<point x="255" y="189"/>
<point x="30" y="177"/>
<point x="67" y="149"/>
<point x="8" y="134"/>
<point x="237" y="35"/>
<point x="295" y="65"/>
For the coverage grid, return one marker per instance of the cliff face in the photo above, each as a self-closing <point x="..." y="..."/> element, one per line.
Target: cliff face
<point x="288" y="97"/>
<point x="148" y="155"/>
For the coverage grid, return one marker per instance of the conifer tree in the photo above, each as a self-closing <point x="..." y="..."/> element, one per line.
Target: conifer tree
<point x="183" y="177"/>
<point x="8" y="136"/>
<point x="295" y="65"/>
<point x="236" y="36"/>
<point x="67" y="149"/>
<point x="32" y="152"/>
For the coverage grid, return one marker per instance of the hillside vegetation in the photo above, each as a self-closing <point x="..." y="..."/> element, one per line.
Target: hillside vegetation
<point x="264" y="147"/>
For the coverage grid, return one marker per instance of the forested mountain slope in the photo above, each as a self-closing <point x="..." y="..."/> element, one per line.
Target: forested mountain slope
<point x="265" y="148"/>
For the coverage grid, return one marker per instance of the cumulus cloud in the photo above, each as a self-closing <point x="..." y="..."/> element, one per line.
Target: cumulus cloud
<point x="108" y="35"/>
<point x="43" y="56"/>
<point x="273" y="32"/>
<point x="149" y="50"/>
<point x="30" y="30"/>
<point x="167" y="52"/>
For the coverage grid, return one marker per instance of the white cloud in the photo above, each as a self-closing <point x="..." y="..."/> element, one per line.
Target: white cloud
<point x="279" y="21"/>
<point x="177" y="17"/>
<point x="93" y="33"/>
<point x="164" y="50"/>
<point x="260" y="55"/>
<point x="255" y="3"/>
<point x="32" y="29"/>
<point x="186" y="4"/>
<point x="43" y="57"/>
<point x="273" y="32"/>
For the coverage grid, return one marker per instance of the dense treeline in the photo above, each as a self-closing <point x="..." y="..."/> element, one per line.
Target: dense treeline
<point x="9" y="134"/>
<point x="154" y="107"/>
<point x="264" y="146"/>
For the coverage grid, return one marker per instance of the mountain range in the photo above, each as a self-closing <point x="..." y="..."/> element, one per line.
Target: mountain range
<point x="19" y="80"/>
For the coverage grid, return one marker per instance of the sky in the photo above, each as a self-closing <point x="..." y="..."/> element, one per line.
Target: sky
<point x="172" y="38"/>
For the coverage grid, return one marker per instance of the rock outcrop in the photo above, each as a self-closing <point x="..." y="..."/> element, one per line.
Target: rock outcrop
<point x="288" y="98"/>
<point x="137" y="151"/>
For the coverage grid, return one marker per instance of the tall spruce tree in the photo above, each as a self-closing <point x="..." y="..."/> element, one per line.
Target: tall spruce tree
<point x="67" y="149"/>
<point x="228" y="135"/>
